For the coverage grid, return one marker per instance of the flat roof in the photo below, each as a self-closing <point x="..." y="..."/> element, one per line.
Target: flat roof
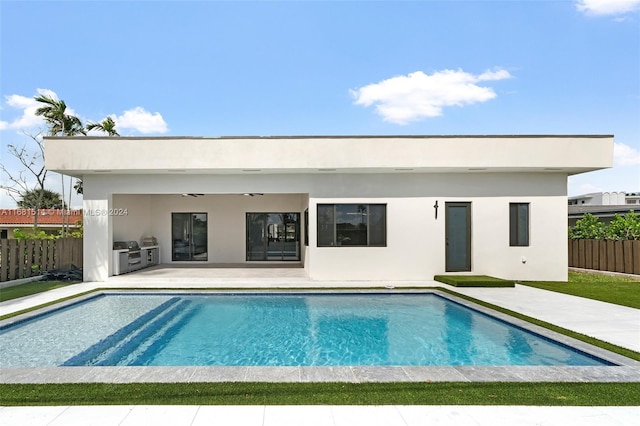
<point x="519" y="136"/>
<point x="570" y="154"/>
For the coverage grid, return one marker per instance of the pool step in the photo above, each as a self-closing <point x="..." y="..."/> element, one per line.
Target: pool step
<point x="151" y="335"/>
<point x="91" y="355"/>
<point x="146" y="352"/>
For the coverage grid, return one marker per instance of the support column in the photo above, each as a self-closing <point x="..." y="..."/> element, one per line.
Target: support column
<point x="97" y="239"/>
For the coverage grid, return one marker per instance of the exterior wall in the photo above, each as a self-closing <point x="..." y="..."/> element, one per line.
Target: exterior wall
<point x="415" y="248"/>
<point x="416" y="239"/>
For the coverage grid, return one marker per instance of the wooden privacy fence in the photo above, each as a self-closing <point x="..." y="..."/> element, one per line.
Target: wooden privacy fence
<point x="606" y="255"/>
<point x="28" y="258"/>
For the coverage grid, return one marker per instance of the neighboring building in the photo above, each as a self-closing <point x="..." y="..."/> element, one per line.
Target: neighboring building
<point x="604" y="205"/>
<point x="345" y="208"/>
<point x="50" y="221"/>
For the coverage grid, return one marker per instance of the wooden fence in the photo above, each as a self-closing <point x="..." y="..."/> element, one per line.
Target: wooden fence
<point x="28" y="258"/>
<point x="606" y="255"/>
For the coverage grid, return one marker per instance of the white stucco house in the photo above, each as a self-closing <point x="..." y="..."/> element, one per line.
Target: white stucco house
<point x="343" y="207"/>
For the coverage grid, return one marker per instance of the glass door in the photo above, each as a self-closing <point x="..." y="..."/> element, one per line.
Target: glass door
<point x="189" y="236"/>
<point x="273" y="236"/>
<point x="458" y="236"/>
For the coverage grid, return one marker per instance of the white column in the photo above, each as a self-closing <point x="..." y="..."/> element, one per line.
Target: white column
<point x="97" y="239"/>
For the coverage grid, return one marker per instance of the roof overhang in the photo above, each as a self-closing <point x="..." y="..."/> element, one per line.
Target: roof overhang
<point x="567" y="154"/>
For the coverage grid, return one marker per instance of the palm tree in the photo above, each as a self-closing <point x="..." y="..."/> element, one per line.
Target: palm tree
<point x="107" y="126"/>
<point x="54" y="113"/>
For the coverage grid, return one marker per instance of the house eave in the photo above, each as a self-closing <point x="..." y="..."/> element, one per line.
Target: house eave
<point x="567" y="154"/>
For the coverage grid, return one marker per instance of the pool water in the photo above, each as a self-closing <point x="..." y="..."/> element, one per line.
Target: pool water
<point x="276" y="330"/>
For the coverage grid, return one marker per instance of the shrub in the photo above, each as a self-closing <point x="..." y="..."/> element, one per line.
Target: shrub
<point x="622" y="227"/>
<point x="587" y="228"/>
<point x="625" y="227"/>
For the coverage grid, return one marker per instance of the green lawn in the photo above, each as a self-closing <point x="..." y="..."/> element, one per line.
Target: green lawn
<point x="30" y="288"/>
<point x="561" y="394"/>
<point x="619" y="290"/>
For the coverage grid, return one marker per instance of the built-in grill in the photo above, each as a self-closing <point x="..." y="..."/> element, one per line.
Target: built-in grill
<point x="128" y="256"/>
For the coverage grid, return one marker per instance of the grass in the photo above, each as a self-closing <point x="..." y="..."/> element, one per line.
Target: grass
<point x="33" y="287"/>
<point x="613" y="289"/>
<point x="473" y="281"/>
<point x="547" y="394"/>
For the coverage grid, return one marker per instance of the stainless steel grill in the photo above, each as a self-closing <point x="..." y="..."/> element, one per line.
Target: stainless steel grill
<point x="129" y="260"/>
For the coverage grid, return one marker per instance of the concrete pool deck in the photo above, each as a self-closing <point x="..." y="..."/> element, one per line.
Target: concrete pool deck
<point x="604" y="321"/>
<point x="608" y="322"/>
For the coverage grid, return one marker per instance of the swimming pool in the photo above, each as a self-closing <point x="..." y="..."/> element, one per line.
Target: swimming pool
<point x="181" y="329"/>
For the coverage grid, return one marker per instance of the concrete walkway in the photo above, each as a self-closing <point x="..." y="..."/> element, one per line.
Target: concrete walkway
<point x="319" y="415"/>
<point x="611" y="323"/>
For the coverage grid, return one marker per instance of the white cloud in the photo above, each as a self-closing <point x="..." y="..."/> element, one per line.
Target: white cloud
<point x="607" y="7"/>
<point x="28" y="106"/>
<point x="416" y="96"/>
<point x="142" y="121"/>
<point x="624" y="155"/>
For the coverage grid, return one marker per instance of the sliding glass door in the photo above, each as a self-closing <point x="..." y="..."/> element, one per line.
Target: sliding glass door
<point x="189" y="236"/>
<point x="273" y="236"/>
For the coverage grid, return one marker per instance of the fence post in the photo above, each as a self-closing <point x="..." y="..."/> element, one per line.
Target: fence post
<point x="588" y="259"/>
<point x="627" y="252"/>
<point x="619" y="253"/>
<point x="4" y="259"/>
<point x="595" y="254"/>
<point x="602" y="248"/>
<point x="636" y="256"/>
<point x="570" y="257"/>
<point x="22" y="246"/>
<point x="581" y="253"/>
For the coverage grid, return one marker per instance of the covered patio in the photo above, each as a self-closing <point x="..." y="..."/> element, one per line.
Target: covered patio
<point x="212" y="275"/>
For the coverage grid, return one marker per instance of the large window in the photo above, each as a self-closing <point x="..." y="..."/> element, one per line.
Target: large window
<point x="352" y="225"/>
<point x="518" y="224"/>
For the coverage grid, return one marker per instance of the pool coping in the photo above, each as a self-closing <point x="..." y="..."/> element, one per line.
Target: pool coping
<point x="625" y="370"/>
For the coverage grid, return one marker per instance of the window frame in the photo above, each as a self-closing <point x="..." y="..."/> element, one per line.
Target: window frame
<point x="334" y="226"/>
<point x="516" y="238"/>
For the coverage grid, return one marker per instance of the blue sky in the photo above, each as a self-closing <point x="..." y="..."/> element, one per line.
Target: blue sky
<point x="208" y="68"/>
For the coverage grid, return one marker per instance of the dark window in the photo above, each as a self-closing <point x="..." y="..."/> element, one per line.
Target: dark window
<point x="362" y="225"/>
<point x="518" y="224"/>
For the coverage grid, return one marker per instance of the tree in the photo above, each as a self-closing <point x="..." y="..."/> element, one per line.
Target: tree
<point x="588" y="227"/>
<point x="78" y="186"/>
<point x="34" y="164"/>
<point x="624" y="227"/>
<point x="107" y="126"/>
<point x="54" y="112"/>
<point x="40" y="199"/>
